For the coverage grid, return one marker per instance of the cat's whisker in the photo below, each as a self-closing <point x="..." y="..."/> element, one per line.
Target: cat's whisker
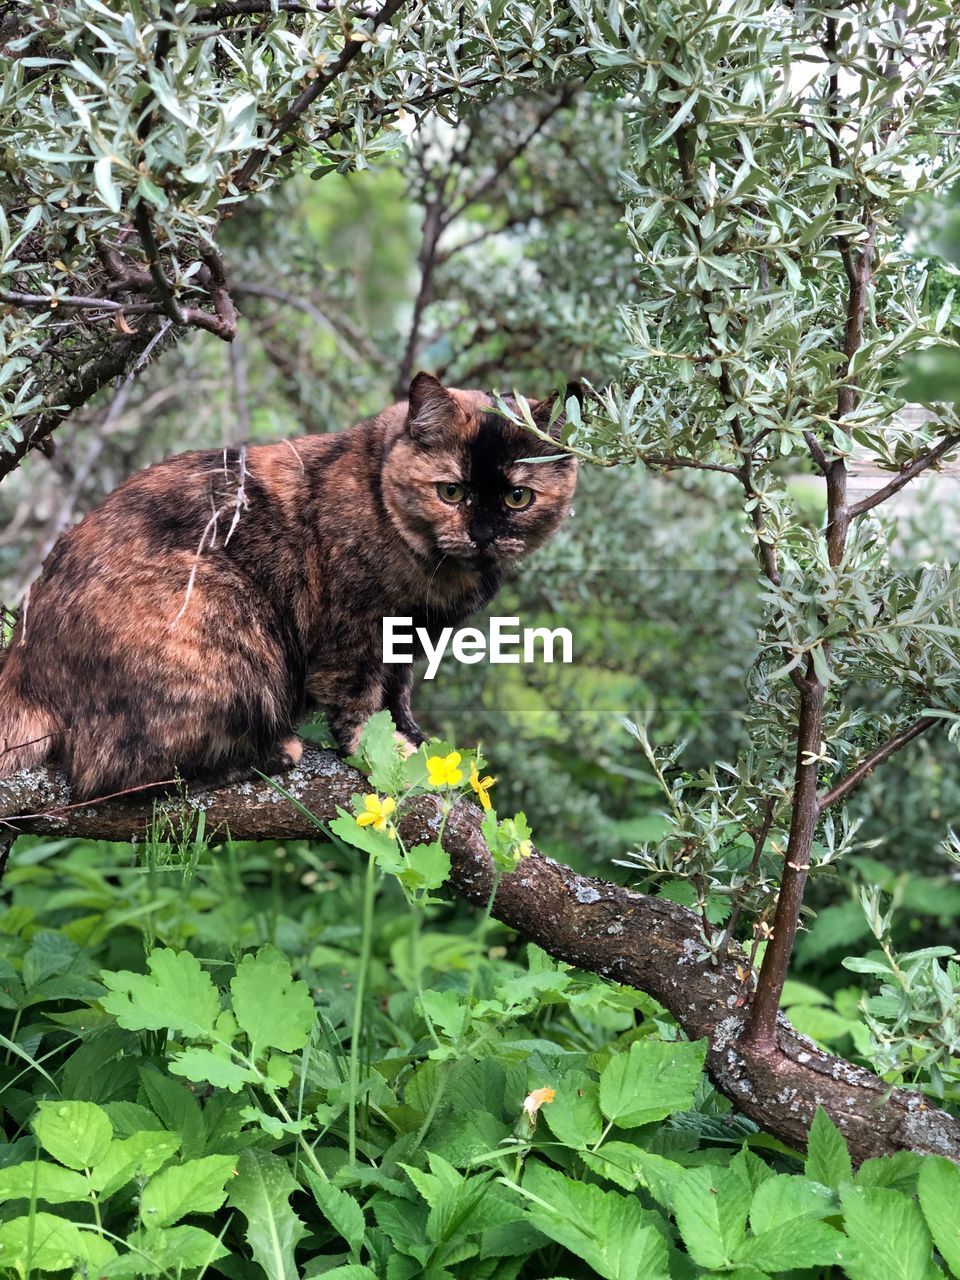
<point x="430" y="583"/>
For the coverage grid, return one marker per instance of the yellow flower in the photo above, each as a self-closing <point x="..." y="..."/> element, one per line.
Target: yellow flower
<point x="443" y="770"/>
<point x="481" y="785"/>
<point x="376" y="814"/>
<point x="534" y="1101"/>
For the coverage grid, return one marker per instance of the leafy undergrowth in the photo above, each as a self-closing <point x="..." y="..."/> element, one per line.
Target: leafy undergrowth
<point x="249" y="1060"/>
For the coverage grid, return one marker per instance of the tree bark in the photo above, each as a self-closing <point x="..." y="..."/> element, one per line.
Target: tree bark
<point x="647" y="943"/>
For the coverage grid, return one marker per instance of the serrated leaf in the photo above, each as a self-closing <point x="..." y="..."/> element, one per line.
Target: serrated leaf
<point x="261" y="1191"/>
<point x="380" y="751"/>
<point x="900" y="1171"/>
<point x="939" y="1191"/>
<point x="203" y="1066"/>
<point x="196" y="1186"/>
<point x="340" y="1210"/>
<point x="710" y="1205"/>
<point x="427" y="867"/>
<point x="40" y="1180"/>
<point x="77" y="1134"/>
<point x="173" y="1249"/>
<point x="828" y="1160"/>
<point x="44" y="1242"/>
<point x="653" y="1080"/>
<point x="177" y="995"/>
<point x="378" y="843"/>
<point x="799" y="1242"/>
<point x="176" y="1109"/>
<point x="574" y="1115"/>
<point x="609" y="1231"/>
<point x="274" y="1010"/>
<point x="629" y="1166"/>
<point x="138" y="1156"/>
<point x="887" y="1236"/>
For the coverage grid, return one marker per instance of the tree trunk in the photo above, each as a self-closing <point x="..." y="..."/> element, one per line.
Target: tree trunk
<point x="647" y="943"/>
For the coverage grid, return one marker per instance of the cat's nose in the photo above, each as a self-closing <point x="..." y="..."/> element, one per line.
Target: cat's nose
<point x="482" y="534"/>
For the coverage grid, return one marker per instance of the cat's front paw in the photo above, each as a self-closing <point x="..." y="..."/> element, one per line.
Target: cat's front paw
<point x="291" y="751"/>
<point x="407" y="747"/>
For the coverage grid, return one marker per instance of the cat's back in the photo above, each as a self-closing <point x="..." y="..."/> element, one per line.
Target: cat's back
<point x="203" y="501"/>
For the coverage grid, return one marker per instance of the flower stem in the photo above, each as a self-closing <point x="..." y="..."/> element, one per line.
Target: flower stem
<point x="366" y="946"/>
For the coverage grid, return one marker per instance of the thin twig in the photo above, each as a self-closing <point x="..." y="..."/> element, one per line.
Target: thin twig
<point x="168" y="300"/>
<point x="308" y="96"/>
<point x="853" y="779"/>
<point x="759" y="837"/>
<point x="75" y="302"/>
<point x="906" y="474"/>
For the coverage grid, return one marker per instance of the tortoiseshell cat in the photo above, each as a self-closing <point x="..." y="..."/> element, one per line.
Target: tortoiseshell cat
<point x="186" y="625"/>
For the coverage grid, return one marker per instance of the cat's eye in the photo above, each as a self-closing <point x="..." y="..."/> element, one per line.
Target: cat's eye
<point x="518" y="497"/>
<point x="451" y="491"/>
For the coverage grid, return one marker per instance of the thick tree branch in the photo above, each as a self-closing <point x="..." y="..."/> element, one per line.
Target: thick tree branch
<point x="805" y="813"/>
<point x="647" y="943"/>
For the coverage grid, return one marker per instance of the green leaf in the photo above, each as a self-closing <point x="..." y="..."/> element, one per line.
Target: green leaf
<point x="939" y="1191"/>
<point x="380" y="751"/>
<point x="177" y="995"/>
<point x="653" y="1080"/>
<point x="784" y="1197"/>
<point x="447" y="1010"/>
<point x="174" y="1249"/>
<point x="887" y="1236"/>
<point x="206" y="1066"/>
<point x="40" y="1180"/>
<point x="262" y="1193"/>
<point x="828" y="1160"/>
<point x="274" y="1010"/>
<point x="610" y="1232"/>
<point x="138" y="1156"/>
<point x="44" y="1242"/>
<point x="340" y="1210"/>
<point x="574" y="1114"/>
<point x="629" y="1166"/>
<point x="77" y="1134"/>
<point x="196" y="1186"/>
<point x="468" y="1134"/>
<point x="710" y="1205"/>
<point x="378" y="843"/>
<point x="798" y="1242"/>
<point x="900" y="1171"/>
<point x="103" y="177"/>
<point x="176" y="1109"/>
<point x="351" y="1271"/>
<point x="428" y="866"/>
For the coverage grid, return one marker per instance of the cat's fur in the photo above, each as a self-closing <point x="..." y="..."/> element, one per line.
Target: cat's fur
<point x="186" y="625"/>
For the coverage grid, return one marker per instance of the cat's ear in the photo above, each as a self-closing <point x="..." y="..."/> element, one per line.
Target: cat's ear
<point x="432" y="408"/>
<point x="551" y="414"/>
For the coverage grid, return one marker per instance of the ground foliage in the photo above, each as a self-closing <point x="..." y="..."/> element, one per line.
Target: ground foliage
<point x="207" y="1065"/>
<point x="245" y="1060"/>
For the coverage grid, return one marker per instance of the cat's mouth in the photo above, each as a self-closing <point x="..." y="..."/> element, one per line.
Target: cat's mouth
<point x="490" y="553"/>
